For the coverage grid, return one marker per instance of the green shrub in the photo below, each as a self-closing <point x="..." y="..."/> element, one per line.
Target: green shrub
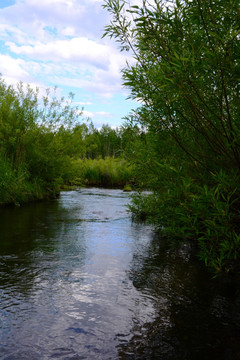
<point x="207" y="215"/>
<point x="33" y="138"/>
<point x="108" y="172"/>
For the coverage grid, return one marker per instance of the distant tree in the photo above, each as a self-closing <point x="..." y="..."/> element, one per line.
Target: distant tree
<point x="110" y="141"/>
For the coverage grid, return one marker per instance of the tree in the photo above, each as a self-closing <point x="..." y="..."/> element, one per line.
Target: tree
<point x="186" y="72"/>
<point x="34" y="135"/>
<point x="186" y="75"/>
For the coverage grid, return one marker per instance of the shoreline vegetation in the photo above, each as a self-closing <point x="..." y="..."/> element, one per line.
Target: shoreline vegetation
<point x="109" y="173"/>
<point x="186" y="74"/>
<point x="45" y="146"/>
<point x="104" y="173"/>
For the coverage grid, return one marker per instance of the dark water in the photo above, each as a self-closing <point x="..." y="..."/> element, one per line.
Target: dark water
<point x="79" y="280"/>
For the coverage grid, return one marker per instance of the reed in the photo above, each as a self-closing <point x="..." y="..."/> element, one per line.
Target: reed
<point x="108" y="172"/>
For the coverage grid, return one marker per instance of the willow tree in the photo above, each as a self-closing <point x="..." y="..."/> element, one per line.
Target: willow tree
<point x="186" y="72"/>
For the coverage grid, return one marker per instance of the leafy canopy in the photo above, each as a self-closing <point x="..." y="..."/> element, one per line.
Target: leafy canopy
<point x="186" y="72"/>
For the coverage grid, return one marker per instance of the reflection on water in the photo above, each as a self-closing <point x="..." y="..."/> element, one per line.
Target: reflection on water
<point x="79" y="280"/>
<point x="196" y="317"/>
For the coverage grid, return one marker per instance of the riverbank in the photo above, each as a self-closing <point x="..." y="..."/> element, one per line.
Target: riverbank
<point x="18" y="188"/>
<point x="108" y="172"/>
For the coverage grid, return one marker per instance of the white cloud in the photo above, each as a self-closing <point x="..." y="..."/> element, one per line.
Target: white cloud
<point x="58" y="42"/>
<point x="82" y="103"/>
<point x="104" y="114"/>
<point x="69" y="31"/>
<point x="96" y="114"/>
<point x="78" y="49"/>
<point x="13" y="68"/>
<point x="87" y="114"/>
<point x="96" y="70"/>
<point x="45" y="18"/>
<point x="44" y="3"/>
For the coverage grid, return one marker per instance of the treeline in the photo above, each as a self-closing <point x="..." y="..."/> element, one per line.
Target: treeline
<point x="44" y="145"/>
<point x="104" y="142"/>
<point x="104" y="159"/>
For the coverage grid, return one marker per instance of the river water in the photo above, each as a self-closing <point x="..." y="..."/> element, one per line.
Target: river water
<point x="80" y="280"/>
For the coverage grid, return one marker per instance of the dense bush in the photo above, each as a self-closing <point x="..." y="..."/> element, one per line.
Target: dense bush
<point x="32" y="144"/>
<point x="186" y="74"/>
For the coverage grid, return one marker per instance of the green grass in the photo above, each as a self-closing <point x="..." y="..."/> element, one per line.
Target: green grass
<point x="108" y="172"/>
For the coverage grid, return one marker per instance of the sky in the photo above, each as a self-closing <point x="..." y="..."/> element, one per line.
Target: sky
<point x="48" y="43"/>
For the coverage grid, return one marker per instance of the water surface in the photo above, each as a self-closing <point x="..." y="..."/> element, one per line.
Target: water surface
<point x="79" y="280"/>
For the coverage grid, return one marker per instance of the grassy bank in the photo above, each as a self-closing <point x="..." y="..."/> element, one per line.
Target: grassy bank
<point x="17" y="187"/>
<point x="108" y="172"/>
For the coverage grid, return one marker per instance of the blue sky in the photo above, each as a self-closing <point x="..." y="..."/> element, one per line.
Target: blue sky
<point x="49" y="43"/>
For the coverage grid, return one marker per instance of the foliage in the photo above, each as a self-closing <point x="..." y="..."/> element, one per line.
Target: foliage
<point x="43" y="146"/>
<point x="209" y="216"/>
<point x="32" y="150"/>
<point x="186" y="74"/>
<point x="108" y="172"/>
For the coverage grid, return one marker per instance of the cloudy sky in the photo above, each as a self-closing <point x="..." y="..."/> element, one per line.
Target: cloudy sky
<point x="50" y="43"/>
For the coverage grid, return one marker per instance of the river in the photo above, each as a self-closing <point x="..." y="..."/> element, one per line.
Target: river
<point x="80" y="280"/>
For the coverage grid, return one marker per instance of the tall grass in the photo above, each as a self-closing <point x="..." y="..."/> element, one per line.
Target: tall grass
<point x="108" y="172"/>
<point x="15" y="186"/>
